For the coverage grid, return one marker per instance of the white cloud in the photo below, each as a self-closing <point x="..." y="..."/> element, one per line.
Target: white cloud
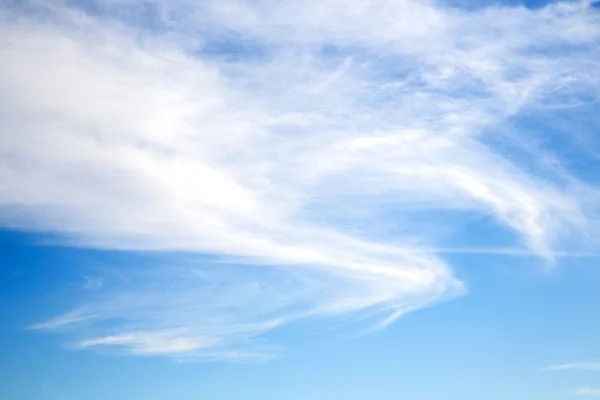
<point x="150" y="344"/>
<point x="579" y="366"/>
<point x="587" y="391"/>
<point x="287" y="156"/>
<point x="583" y="366"/>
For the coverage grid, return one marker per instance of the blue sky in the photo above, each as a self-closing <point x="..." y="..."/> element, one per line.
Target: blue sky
<point x="299" y="200"/>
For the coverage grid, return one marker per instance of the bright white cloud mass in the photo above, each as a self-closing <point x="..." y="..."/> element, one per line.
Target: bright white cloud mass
<point x="316" y="149"/>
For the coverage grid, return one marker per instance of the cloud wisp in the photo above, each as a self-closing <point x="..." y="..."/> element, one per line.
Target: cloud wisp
<point x="587" y="391"/>
<point x="299" y="143"/>
<point x="578" y="366"/>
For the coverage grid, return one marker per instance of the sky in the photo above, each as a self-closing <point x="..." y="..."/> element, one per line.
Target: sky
<point x="325" y="199"/>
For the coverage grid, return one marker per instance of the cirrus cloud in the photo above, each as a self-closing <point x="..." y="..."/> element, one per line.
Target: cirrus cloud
<point x="279" y="137"/>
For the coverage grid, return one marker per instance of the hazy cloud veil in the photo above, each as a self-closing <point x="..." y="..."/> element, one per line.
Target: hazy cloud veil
<point x="299" y="143"/>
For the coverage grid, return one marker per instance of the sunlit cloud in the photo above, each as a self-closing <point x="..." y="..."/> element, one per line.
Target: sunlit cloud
<point x="297" y="143"/>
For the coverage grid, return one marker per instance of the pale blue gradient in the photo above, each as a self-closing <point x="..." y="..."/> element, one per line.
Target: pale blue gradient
<point x="492" y="343"/>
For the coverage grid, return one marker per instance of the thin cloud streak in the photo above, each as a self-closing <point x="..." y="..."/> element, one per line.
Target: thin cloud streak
<point x="580" y="366"/>
<point x="587" y="391"/>
<point x="286" y="161"/>
<point x="502" y="251"/>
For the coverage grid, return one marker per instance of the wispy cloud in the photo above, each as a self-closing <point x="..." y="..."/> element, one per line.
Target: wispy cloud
<point x="299" y="142"/>
<point x="579" y="366"/>
<point x="587" y="391"/>
<point x="582" y="366"/>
